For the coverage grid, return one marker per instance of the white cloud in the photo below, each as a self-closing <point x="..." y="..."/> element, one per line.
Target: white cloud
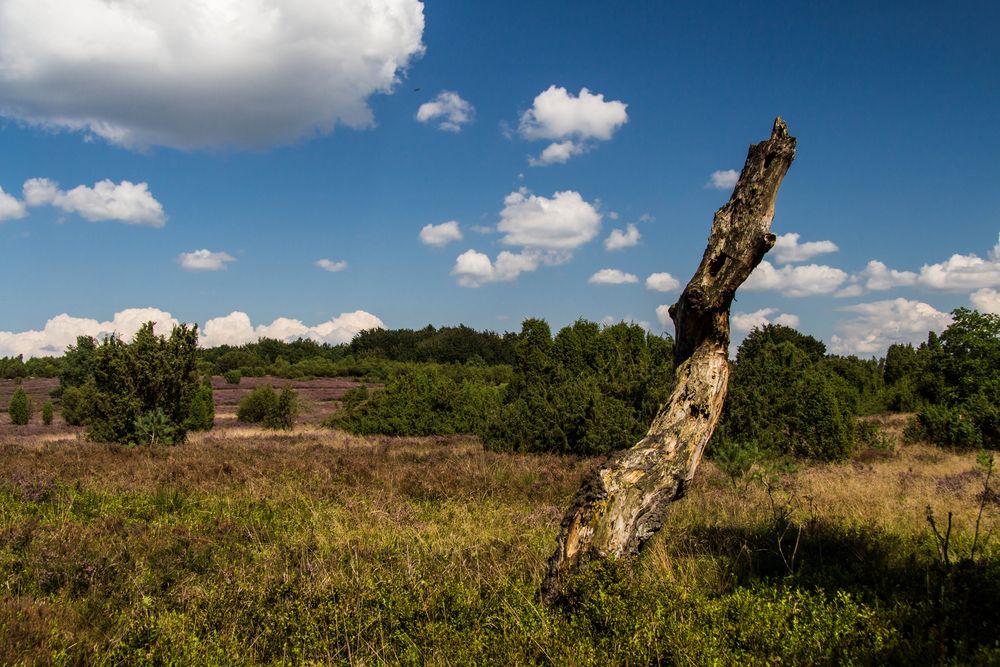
<point x="563" y="222"/>
<point x="986" y="300"/>
<point x="482" y="229"/>
<point x="558" y="153"/>
<point x="332" y="267"/>
<point x="723" y="180"/>
<point x="854" y="289"/>
<point x="788" y="250"/>
<point x="962" y="272"/>
<point x="957" y="273"/>
<point x="662" y="282"/>
<point x="233" y="329"/>
<point x="547" y="231"/>
<point x="570" y="122"/>
<point x="236" y="329"/>
<point x="10" y="207"/>
<point x="204" y="260"/>
<point x="881" y="323"/>
<point x="610" y="320"/>
<point x="450" y="108"/>
<point x="191" y="73"/>
<point x="663" y="316"/>
<point x="619" y="239"/>
<point x="474" y="269"/>
<point x="131" y="203"/>
<point x="612" y="277"/>
<point x="441" y="235"/>
<point x="878" y="276"/>
<point x="807" y="280"/>
<point x="744" y="322"/>
<point x="62" y="330"/>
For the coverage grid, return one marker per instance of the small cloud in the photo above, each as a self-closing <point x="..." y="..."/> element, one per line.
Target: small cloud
<point x="961" y="272"/>
<point x="474" y="269"/>
<point x="662" y="282"/>
<point x="744" y="322"/>
<point x="557" y="153"/>
<point x="619" y="239"/>
<point x="10" y="207"/>
<point x="723" y="180"/>
<point x="879" y="324"/>
<point x="986" y="300"/>
<point x="450" y="108"/>
<point x="332" y="267"/>
<point x="204" y="260"/>
<point x="562" y="222"/>
<point x="807" y="280"/>
<point x="441" y="235"/>
<point x="127" y="202"/>
<point x="878" y="276"/>
<point x="612" y="277"/>
<point x="788" y="250"/>
<point x="646" y="217"/>
<point x="612" y="215"/>
<point x="570" y="121"/>
<point x="663" y="316"/>
<point x="610" y="320"/>
<point x="482" y="229"/>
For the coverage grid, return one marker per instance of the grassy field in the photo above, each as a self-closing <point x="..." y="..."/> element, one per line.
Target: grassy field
<point x="245" y="546"/>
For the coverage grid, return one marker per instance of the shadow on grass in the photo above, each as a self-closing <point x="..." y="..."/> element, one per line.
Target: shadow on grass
<point x="939" y="611"/>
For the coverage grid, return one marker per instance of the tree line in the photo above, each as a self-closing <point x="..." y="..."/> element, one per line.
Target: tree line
<point x="586" y="390"/>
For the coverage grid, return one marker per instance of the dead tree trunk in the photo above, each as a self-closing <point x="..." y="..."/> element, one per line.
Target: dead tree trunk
<point x="624" y="502"/>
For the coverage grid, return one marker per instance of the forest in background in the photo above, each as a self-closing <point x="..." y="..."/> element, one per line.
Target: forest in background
<point x="586" y="390"/>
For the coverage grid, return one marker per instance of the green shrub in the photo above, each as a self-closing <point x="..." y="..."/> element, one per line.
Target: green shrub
<point x="78" y="363"/>
<point x="232" y="376"/>
<point x="47" y="413"/>
<point x="948" y="426"/>
<point x="590" y="390"/>
<point x="784" y="395"/>
<point x="75" y="403"/>
<point x="20" y="408"/>
<point x="201" y="408"/>
<point x="285" y="410"/>
<point x="269" y="408"/>
<point x="422" y="401"/>
<point x="155" y="428"/>
<point x="131" y="380"/>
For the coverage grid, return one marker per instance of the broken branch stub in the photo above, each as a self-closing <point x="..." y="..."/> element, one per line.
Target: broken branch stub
<point x="624" y="502"/>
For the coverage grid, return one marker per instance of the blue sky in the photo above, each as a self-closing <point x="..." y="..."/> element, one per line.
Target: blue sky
<point x="272" y="135"/>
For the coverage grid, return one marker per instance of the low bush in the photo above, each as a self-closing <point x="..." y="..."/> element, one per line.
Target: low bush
<point x="232" y="376"/>
<point x="269" y="408"/>
<point x="154" y="428"/>
<point x="201" y="409"/>
<point x="47" y="413"/>
<point x="20" y="408"/>
<point x="424" y="401"/>
<point x="75" y="403"/>
<point x="132" y="380"/>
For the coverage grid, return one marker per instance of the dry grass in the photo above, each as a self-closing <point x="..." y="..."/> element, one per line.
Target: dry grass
<point x="318" y="546"/>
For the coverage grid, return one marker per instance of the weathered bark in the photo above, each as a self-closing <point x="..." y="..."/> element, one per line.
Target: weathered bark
<point x="624" y="502"/>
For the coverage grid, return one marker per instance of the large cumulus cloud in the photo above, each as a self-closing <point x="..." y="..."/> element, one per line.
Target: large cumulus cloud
<point x="198" y="73"/>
